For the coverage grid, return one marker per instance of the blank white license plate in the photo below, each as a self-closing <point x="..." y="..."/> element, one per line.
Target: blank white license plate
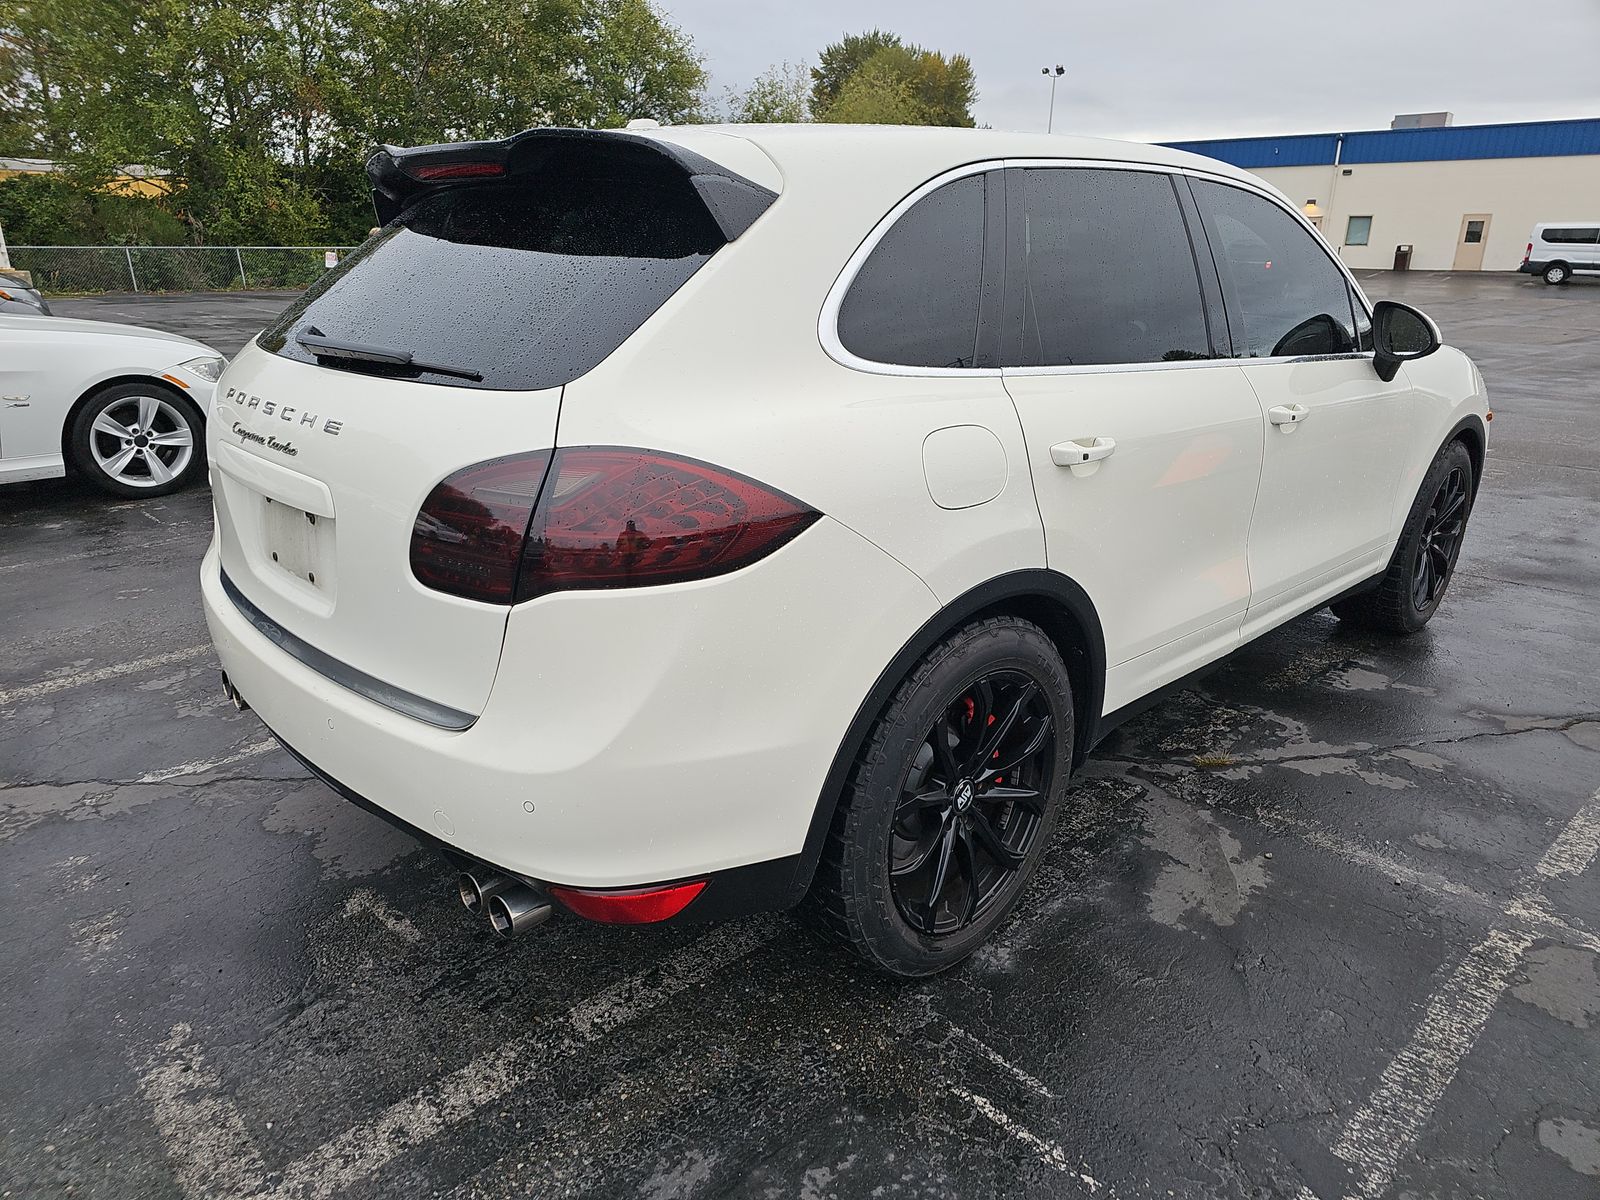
<point x="298" y="542"/>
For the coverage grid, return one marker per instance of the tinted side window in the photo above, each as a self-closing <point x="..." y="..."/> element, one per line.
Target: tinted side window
<point x="1572" y="236"/>
<point x="1109" y="274"/>
<point x="1284" y="294"/>
<point x="914" y="302"/>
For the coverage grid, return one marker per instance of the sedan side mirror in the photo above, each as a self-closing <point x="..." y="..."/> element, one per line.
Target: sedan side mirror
<point x="1399" y="334"/>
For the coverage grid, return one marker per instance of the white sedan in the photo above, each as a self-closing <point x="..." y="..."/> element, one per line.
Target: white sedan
<point x="123" y="406"/>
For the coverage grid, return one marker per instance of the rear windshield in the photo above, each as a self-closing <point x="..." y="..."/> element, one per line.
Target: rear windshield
<point x="528" y="283"/>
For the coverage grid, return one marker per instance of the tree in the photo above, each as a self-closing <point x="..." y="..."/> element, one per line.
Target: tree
<point x="843" y="59"/>
<point x="876" y="78"/>
<point x="877" y="94"/>
<point x="259" y="113"/>
<point x="780" y="94"/>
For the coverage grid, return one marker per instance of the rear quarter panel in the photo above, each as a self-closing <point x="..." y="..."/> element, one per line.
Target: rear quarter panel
<point x="731" y="370"/>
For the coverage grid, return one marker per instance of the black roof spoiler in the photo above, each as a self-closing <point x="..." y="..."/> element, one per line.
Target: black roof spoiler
<point x="400" y="175"/>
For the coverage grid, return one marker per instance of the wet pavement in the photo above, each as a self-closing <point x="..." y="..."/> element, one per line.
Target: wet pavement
<point x="1326" y="925"/>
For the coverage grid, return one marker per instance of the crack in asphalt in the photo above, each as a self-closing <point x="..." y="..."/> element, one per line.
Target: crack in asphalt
<point x="1537" y="725"/>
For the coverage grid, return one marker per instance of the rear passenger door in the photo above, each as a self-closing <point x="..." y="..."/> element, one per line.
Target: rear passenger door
<point x="1145" y="449"/>
<point x="1337" y="436"/>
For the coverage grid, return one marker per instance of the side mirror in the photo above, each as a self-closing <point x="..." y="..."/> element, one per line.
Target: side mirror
<point x="1399" y="334"/>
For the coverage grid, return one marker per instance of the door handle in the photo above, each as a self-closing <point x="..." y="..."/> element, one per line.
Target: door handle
<point x="1288" y="415"/>
<point x="1082" y="450"/>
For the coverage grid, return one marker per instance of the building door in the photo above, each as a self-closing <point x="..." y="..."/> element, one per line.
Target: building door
<point x="1470" y="242"/>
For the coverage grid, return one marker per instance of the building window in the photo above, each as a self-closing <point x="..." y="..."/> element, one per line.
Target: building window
<point x="1358" y="231"/>
<point x="1474" y="232"/>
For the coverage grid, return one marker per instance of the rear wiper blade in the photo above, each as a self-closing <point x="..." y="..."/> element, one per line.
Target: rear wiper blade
<point x="322" y="346"/>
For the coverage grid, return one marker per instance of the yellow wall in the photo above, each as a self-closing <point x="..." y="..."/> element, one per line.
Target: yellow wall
<point x="1423" y="202"/>
<point x="121" y="185"/>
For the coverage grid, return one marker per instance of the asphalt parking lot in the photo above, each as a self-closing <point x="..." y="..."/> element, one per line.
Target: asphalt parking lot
<point x="1326" y="925"/>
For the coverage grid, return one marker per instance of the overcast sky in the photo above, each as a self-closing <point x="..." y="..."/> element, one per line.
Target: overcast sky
<point x="1169" y="69"/>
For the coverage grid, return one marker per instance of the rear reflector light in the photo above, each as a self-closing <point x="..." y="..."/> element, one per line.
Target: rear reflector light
<point x="1528" y="253"/>
<point x="606" y="517"/>
<point x="458" y="170"/>
<point x="614" y="518"/>
<point x="467" y="540"/>
<point x="637" y="906"/>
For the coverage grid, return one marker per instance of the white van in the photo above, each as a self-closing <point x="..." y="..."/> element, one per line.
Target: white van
<point x="1561" y="249"/>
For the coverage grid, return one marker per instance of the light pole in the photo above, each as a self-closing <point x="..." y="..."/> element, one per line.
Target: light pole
<point x="1055" y="74"/>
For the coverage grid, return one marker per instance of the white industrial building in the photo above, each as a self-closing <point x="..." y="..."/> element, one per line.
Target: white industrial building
<point x="1462" y="197"/>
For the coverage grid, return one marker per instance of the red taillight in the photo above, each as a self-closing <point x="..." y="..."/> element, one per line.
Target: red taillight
<point x="614" y="518"/>
<point x="1528" y="253"/>
<point x="606" y="517"/>
<point x="468" y="538"/>
<point x="457" y="170"/>
<point x="637" y="906"/>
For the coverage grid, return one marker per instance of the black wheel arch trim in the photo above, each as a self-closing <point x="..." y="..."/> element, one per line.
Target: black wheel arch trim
<point x="1477" y="445"/>
<point x="1015" y="591"/>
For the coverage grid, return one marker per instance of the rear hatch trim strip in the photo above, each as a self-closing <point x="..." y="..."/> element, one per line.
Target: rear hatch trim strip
<point x="407" y="704"/>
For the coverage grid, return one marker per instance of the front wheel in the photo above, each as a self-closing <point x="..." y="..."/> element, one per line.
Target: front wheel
<point x="1557" y="273"/>
<point x="1425" y="558"/>
<point x="950" y="804"/>
<point x="138" y="439"/>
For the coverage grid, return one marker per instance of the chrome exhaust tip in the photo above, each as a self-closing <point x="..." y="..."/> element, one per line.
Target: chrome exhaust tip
<point x="477" y="890"/>
<point x="232" y="693"/>
<point x="518" y="909"/>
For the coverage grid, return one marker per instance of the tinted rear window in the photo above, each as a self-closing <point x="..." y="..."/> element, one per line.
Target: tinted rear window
<point x="914" y="302"/>
<point x="529" y="282"/>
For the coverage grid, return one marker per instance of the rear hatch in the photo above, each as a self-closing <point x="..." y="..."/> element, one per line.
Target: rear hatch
<point x="505" y="270"/>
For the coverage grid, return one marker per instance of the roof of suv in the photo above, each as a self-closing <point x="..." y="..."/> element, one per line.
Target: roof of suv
<point x="919" y="151"/>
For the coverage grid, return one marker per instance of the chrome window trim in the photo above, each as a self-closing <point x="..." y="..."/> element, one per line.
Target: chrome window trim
<point x="828" y="319"/>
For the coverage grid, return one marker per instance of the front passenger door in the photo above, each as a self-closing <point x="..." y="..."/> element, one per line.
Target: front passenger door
<point x="1336" y="434"/>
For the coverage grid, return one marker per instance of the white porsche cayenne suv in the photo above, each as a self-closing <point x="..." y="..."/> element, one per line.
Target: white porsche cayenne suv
<point x="673" y="524"/>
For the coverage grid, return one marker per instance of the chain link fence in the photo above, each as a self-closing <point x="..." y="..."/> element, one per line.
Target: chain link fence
<point x="67" y="270"/>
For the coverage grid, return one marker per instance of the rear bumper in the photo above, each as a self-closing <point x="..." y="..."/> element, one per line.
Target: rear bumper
<point x="1533" y="268"/>
<point x="631" y="737"/>
<point x="735" y="892"/>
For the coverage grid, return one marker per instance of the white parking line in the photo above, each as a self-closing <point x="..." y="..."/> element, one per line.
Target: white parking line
<point x="122" y="549"/>
<point x="366" y="902"/>
<point x="210" y="1148"/>
<point x="48" y="687"/>
<point x="1005" y="1064"/>
<point x="1413" y="1083"/>
<point x="201" y="765"/>
<point x="1046" y="1151"/>
<point x="356" y="1154"/>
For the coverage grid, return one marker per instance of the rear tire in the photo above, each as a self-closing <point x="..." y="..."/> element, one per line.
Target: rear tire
<point x="1557" y="273"/>
<point x="138" y="439"/>
<point x="1425" y="559"/>
<point x="998" y="697"/>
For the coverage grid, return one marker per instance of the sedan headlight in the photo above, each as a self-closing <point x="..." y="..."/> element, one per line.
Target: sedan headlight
<point x="209" y="369"/>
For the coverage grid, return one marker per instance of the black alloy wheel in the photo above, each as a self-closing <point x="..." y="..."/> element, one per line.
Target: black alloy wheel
<point x="950" y="800"/>
<point x="972" y="803"/>
<point x="1442" y="531"/>
<point x="1410" y="591"/>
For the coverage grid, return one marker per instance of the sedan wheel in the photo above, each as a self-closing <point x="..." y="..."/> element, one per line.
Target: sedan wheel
<point x="138" y="440"/>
